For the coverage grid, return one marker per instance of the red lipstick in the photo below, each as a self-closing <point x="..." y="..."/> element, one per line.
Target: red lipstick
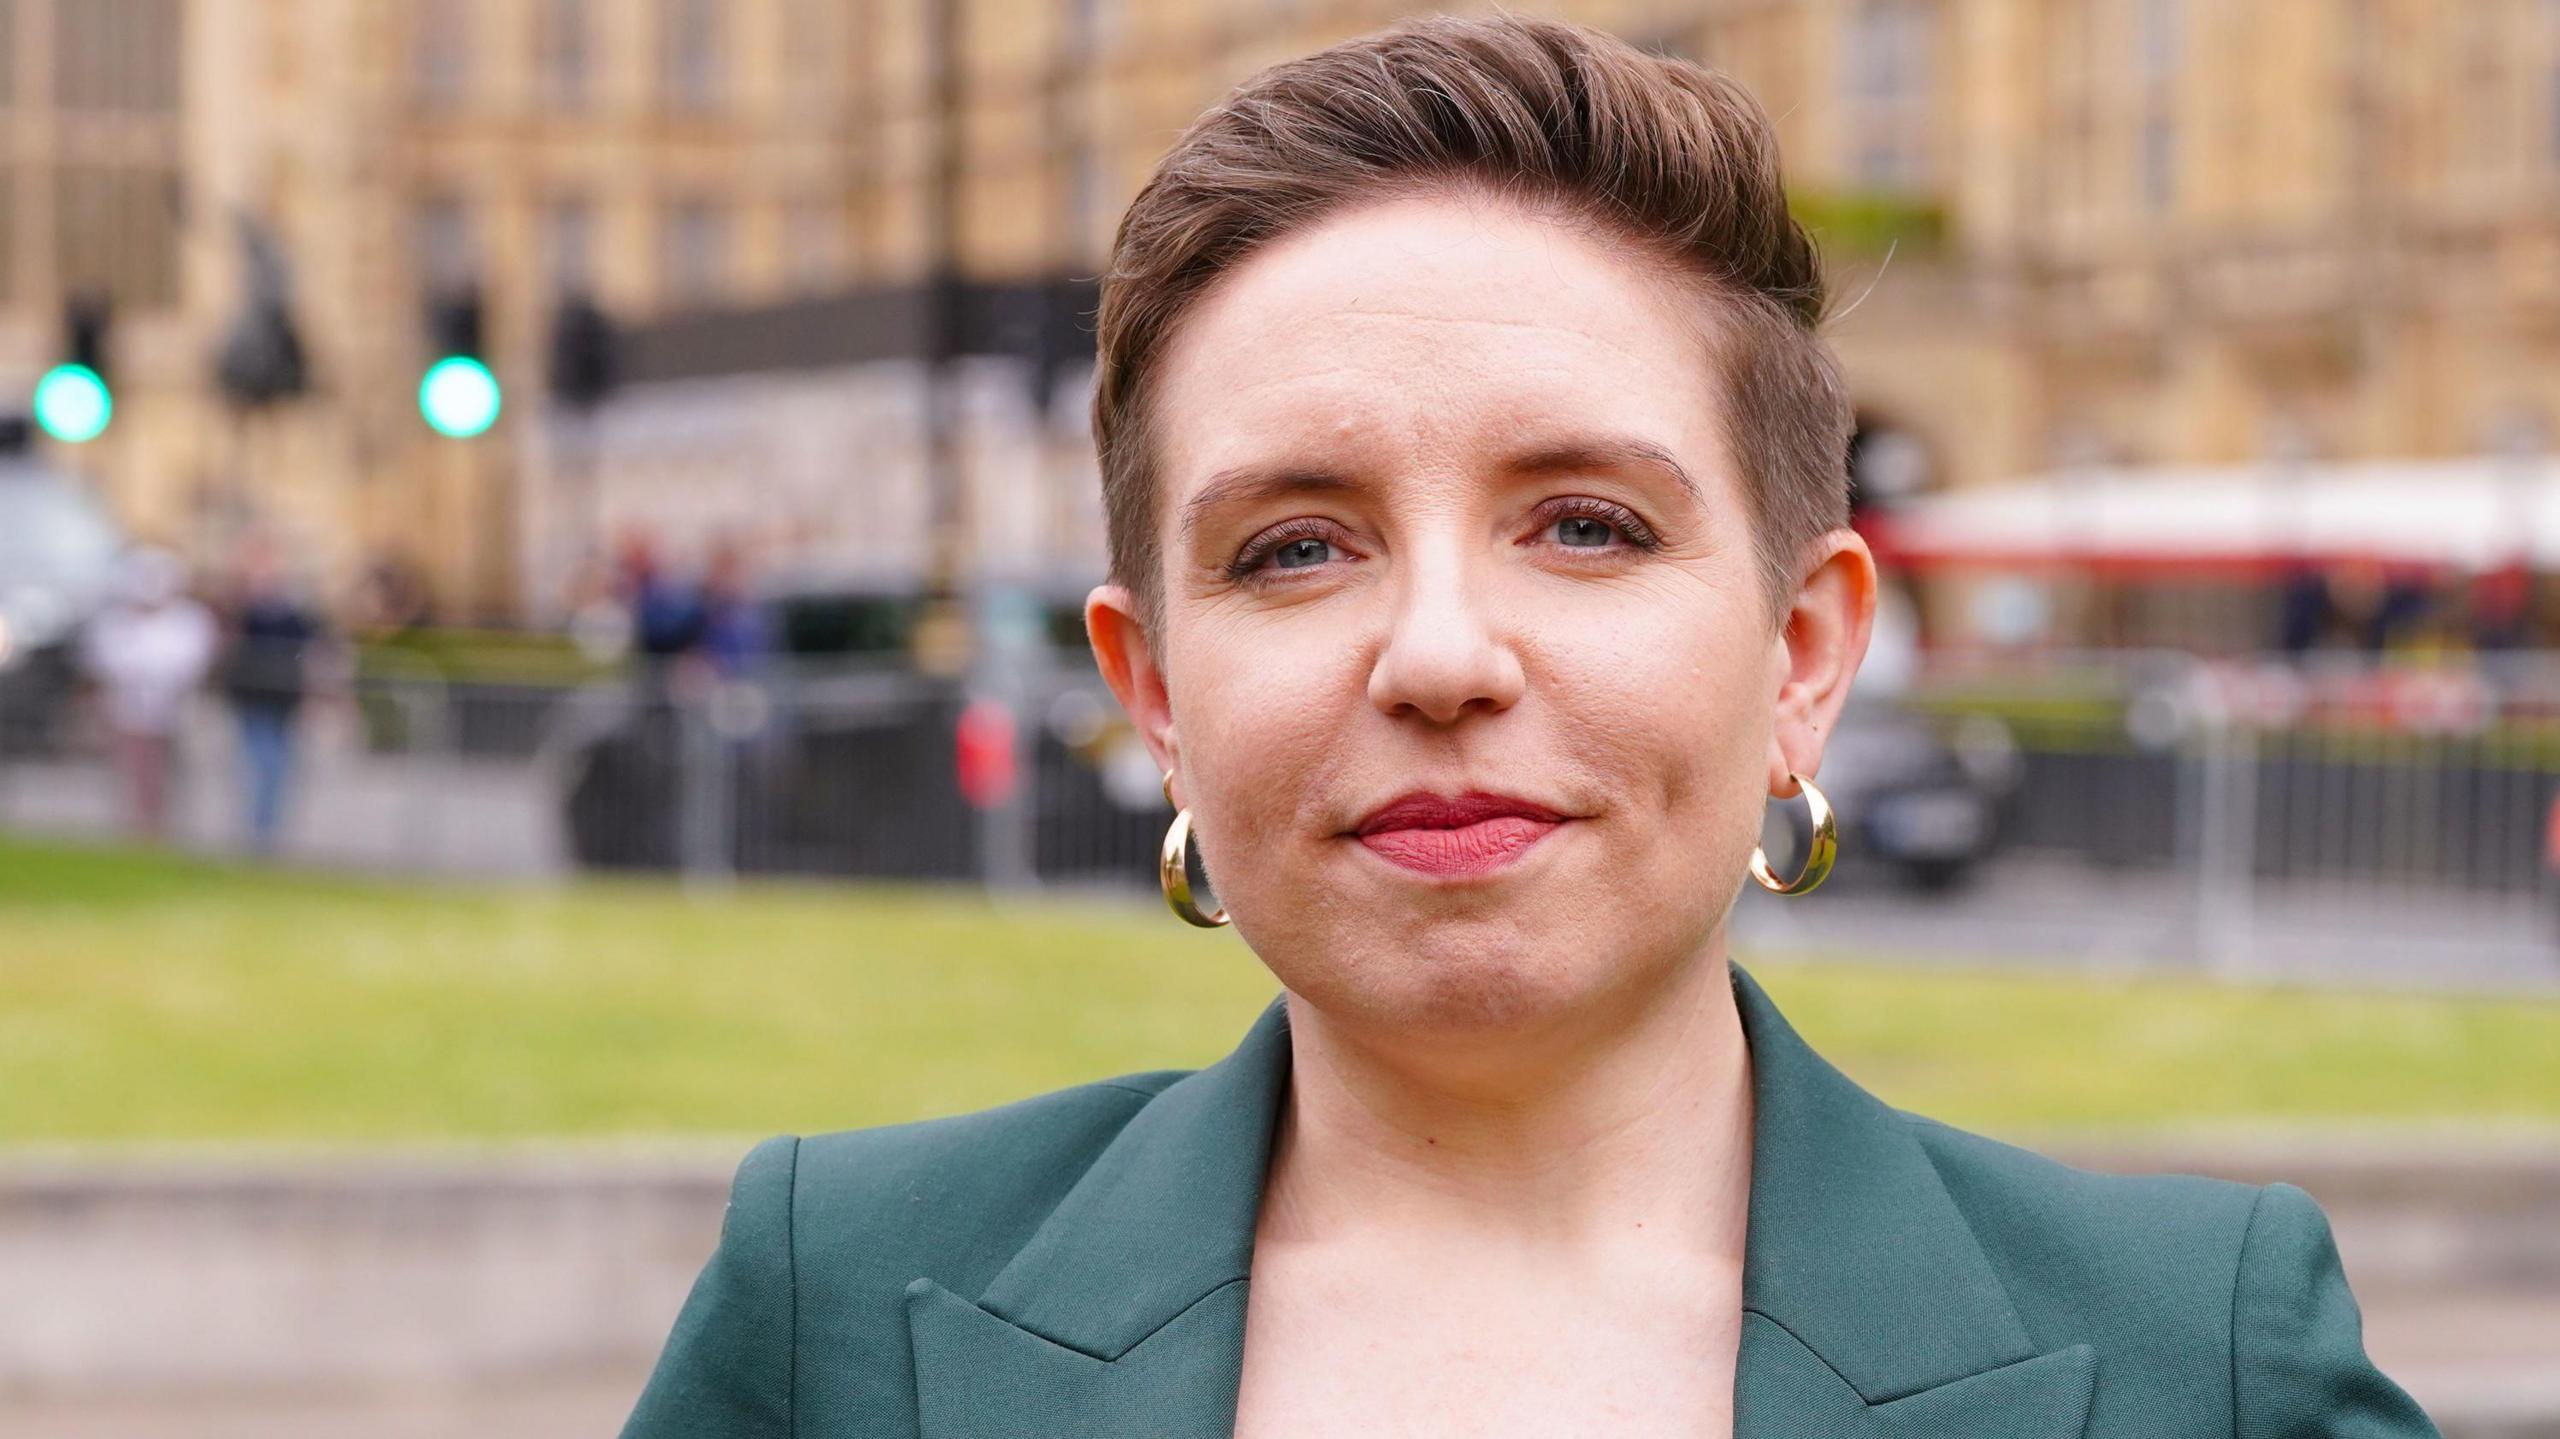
<point x="1464" y="834"/>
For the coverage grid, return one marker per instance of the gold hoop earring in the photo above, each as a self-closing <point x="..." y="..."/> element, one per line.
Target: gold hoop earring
<point x="1818" y="853"/>
<point x="1173" y="868"/>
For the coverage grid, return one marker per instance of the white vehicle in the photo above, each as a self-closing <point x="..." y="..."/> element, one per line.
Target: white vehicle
<point x="58" y="552"/>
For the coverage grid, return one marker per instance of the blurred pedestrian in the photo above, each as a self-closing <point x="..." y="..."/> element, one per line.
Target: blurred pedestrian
<point x="666" y="613"/>
<point x="146" y="652"/>
<point x="2551" y="857"/>
<point x="598" y="621"/>
<point x="2501" y="607"/>
<point x="267" y="673"/>
<point x="733" y="626"/>
<point x="393" y="600"/>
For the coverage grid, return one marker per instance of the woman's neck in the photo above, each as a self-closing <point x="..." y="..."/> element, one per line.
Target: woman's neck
<point x="1592" y="1130"/>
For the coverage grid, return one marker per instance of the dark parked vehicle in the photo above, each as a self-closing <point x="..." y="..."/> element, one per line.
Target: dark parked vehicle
<point x="1919" y="798"/>
<point x="839" y="758"/>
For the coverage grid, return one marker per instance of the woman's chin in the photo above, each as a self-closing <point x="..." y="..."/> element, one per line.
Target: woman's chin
<point x="1454" y="991"/>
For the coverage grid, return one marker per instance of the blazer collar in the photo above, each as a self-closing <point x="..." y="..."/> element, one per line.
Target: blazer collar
<point x="1869" y="1307"/>
<point x="1124" y="1313"/>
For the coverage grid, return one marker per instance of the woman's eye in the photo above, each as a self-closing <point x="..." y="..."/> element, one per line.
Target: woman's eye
<point x="1289" y="550"/>
<point x="1590" y="526"/>
<point x="1584" y="532"/>
<point x="1299" y="553"/>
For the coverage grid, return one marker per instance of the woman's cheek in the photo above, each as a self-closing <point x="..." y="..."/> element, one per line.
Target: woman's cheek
<point x="1707" y="726"/>
<point x="1263" y="738"/>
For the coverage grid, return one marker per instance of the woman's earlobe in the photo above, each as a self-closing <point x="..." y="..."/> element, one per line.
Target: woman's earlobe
<point x="1779" y="786"/>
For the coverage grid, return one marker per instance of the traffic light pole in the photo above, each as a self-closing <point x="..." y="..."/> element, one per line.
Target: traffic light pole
<point x="958" y="637"/>
<point x="493" y="494"/>
<point x="943" y="639"/>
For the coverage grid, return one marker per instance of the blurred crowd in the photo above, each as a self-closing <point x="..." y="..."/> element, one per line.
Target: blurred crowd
<point x="2364" y="606"/>
<point x="259" y="640"/>
<point x="708" y="623"/>
<point x="258" y="637"/>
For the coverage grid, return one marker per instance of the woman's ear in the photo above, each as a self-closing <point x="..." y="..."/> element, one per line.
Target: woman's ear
<point x="1817" y="652"/>
<point x="1121" y="648"/>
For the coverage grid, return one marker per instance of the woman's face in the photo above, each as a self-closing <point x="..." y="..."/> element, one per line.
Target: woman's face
<point x="1447" y="506"/>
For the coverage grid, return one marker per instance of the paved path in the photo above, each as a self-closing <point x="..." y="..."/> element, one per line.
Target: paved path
<point x="561" y="1407"/>
<point x="2050" y="915"/>
<point x="429" y="816"/>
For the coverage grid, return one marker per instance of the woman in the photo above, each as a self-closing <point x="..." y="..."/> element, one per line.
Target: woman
<point x="1473" y="469"/>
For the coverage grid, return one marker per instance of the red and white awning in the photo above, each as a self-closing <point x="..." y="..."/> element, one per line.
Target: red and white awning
<point x="2464" y="514"/>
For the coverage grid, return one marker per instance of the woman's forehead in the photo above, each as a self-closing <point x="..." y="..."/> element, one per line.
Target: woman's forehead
<point x="1433" y="325"/>
<point x="1423" y="277"/>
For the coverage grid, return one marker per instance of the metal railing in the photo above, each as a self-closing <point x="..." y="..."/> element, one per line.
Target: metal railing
<point x="2250" y="819"/>
<point x="2265" y="809"/>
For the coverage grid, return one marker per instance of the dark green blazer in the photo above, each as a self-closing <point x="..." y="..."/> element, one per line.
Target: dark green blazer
<point x="1076" y="1264"/>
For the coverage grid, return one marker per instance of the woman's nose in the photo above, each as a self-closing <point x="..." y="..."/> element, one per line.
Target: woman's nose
<point x="1447" y="648"/>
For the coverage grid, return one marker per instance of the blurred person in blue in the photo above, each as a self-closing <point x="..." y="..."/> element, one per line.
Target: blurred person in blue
<point x="1474" y="471"/>
<point x="667" y="614"/>
<point x="735" y="635"/>
<point x="145" y="653"/>
<point x="275" y="641"/>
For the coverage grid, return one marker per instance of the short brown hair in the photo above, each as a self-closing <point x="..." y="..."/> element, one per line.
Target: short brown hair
<point x="1674" y="157"/>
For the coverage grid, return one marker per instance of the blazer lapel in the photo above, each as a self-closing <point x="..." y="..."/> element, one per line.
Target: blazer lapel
<point x="1870" y="1311"/>
<point x="1784" y="1389"/>
<point x="981" y="1376"/>
<point x="1124" y="1314"/>
<point x="1869" y="1308"/>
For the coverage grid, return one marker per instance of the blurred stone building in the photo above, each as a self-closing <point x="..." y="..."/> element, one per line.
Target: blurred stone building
<point x="659" y="155"/>
<point x="2141" y="230"/>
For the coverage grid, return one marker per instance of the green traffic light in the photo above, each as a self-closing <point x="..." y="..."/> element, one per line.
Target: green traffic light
<point x="459" y="397"/>
<point x="72" y="404"/>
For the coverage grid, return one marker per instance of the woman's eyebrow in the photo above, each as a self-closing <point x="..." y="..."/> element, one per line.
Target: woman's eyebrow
<point x="1243" y="483"/>
<point x="1603" y="452"/>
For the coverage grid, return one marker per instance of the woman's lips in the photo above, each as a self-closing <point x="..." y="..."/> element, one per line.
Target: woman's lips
<point x="1487" y="844"/>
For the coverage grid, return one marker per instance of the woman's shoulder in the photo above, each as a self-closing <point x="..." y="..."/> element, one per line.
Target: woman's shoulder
<point x="2003" y="1184"/>
<point x="1011" y="1162"/>
<point x="2143" y="1244"/>
<point x="823" y="1234"/>
<point x="864" y="1205"/>
<point x="2175" y="1274"/>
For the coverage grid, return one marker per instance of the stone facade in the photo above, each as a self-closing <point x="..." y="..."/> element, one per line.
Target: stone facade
<point x="2138" y="230"/>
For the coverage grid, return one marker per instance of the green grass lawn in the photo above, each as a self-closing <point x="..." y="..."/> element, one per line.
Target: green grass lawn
<point x="157" y="998"/>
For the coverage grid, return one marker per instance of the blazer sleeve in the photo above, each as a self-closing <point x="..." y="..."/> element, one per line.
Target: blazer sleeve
<point x="726" y="1371"/>
<point x="2298" y="1366"/>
